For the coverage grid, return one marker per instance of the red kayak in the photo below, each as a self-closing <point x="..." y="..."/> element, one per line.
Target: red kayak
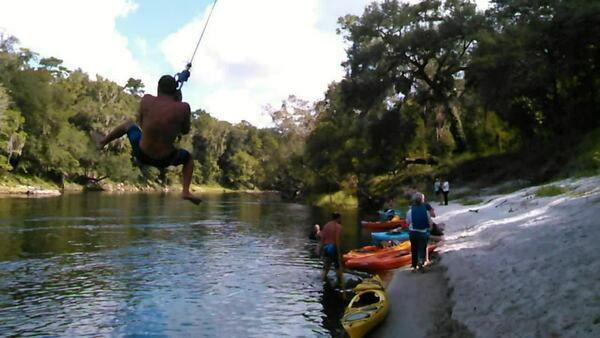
<point x="383" y="261"/>
<point x="385" y="225"/>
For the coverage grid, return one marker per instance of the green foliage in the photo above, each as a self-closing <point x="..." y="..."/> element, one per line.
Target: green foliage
<point x="334" y="200"/>
<point x="586" y="161"/>
<point x="431" y="87"/>
<point x="537" y="68"/>
<point x="242" y="170"/>
<point x="12" y="137"/>
<point x="549" y="191"/>
<point x="209" y="143"/>
<point x="401" y="51"/>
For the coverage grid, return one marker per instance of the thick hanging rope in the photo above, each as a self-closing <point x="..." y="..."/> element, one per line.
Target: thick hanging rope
<point x="184" y="75"/>
<point x="203" y="30"/>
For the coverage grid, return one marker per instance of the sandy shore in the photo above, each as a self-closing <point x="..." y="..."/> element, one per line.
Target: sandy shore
<point x="28" y="191"/>
<point x="420" y="306"/>
<point x="516" y="265"/>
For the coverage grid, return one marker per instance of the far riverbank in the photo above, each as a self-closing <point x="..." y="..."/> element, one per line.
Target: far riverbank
<point x="12" y="185"/>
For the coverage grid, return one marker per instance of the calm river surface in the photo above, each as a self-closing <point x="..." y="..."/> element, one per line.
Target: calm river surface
<point x="238" y="265"/>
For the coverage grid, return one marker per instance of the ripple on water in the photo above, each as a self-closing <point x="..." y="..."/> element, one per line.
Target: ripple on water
<point x="173" y="274"/>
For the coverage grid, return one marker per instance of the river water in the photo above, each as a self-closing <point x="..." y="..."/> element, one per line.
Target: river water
<point x="238" y="265"/>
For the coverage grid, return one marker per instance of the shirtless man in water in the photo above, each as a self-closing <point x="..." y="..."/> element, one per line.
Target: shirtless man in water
<point x="330" y="237"/>
<point x="161" y="118"/>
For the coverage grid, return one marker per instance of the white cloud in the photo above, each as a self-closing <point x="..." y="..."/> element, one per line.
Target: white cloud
<point x="258" y="52"/>
<point x="255" y="53"/>
<point x="81" y="33"/>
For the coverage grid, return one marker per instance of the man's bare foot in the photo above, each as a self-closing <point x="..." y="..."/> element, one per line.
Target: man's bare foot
<point x="98" y="139"/>
<point x="194" y="199"/>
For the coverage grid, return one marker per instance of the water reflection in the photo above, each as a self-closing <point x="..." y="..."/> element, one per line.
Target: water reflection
<point x="98" y="264"/>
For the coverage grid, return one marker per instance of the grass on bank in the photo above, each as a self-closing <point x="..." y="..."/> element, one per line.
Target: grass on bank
<point x="586" y="161"/>
<point x="550" y="191"/>
<point x="336" y="199"/>
<point x="10" y="180"/>
<point x="14" y="183"/>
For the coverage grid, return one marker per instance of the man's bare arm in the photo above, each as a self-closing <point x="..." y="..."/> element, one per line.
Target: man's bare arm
<point x="140" y="115"/>
<point x="187" y="120"/>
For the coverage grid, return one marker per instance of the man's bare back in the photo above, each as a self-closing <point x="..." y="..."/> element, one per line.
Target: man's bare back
<point x="162" y="119"/>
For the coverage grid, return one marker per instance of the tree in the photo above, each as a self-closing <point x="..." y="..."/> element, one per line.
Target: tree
<point x="400" y="51"/>
<point x="294" y="117"/>
<point x="538" y="67"/>
<point x="135" y="87"/>
<point x="54" y="66"/>
<point x="209" y="142"/>
<point x="12" y="137"/>
<point x="241" y="170"/>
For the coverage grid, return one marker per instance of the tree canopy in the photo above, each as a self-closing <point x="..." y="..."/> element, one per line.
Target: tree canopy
<point x="423" y="82"/>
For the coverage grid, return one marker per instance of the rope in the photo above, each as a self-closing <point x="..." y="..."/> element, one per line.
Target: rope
<point x="184" y="75"/>
<point x="203" y="30"/>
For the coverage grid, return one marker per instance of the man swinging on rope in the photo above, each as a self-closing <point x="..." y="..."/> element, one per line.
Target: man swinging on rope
<point x="162" y="118"/>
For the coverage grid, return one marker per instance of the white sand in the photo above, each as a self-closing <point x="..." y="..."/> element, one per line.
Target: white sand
<point x="526" y="266"/>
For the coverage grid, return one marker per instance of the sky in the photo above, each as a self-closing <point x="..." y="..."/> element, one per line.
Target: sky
<point x="253" y="54"/>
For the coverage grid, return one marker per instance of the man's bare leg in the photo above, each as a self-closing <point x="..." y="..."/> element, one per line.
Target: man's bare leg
<point x="326" y="268"/>
<point x="102" y="141"/>
<point x="340" y="276"/>
<point x="186" y="178"/>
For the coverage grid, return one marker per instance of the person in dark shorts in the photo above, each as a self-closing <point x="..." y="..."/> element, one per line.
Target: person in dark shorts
<point x="161" y="119"/>
<point x="445" y="191"/>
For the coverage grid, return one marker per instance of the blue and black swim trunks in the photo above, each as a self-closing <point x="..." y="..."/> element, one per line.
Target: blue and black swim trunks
<point x="330" y="254"/>
<point x="177" y="157"/>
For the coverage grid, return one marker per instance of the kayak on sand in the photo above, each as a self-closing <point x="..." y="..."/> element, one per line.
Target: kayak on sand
<point x="367" y="309"/>
<point x="374" y="250"/>
<point x="383" y="261"/>
<point x="399" y="236"/>
<point x="384" y="225"/>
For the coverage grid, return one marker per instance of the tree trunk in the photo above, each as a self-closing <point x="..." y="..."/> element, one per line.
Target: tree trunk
<point x="456" y="127"/>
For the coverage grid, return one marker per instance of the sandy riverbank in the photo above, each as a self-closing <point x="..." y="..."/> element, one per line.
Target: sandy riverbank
<point x="420" y="306"/>
<point x="517" y="265"/>
<point x="48" y="189"/>
<point x="28" y="191"/>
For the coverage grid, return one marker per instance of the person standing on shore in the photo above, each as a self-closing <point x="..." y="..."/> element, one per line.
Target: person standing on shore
<point x="419" y="223"/>
<point x="446" y="191"/>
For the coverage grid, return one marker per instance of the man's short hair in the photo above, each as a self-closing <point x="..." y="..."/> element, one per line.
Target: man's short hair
<point x="167" y="85"/>
<point x="335" y="216"/>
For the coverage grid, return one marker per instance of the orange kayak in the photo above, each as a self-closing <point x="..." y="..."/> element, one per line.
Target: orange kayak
<point x="383" y="261"/>
<point x="384" y="225"/>
<point x="371" y="250"/>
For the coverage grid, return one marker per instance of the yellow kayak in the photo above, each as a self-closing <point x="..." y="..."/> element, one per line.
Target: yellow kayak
<point x="367" y="309"/>
<point x="374" y="283"/>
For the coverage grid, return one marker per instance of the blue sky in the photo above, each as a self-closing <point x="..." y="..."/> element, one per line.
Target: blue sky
<point x="254" y="54"/>
<point x="152" y="22"/>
